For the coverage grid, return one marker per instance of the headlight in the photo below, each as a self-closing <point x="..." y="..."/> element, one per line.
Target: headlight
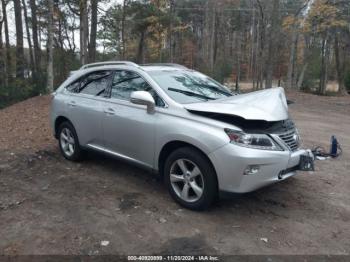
<point x="257" y="141"/>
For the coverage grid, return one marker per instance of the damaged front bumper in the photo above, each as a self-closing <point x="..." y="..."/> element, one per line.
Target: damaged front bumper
<point x="242" y="170"/>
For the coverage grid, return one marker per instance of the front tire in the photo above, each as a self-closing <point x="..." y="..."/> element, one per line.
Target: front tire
<point x="69" y="142"/>
<point x="190" y="178"/>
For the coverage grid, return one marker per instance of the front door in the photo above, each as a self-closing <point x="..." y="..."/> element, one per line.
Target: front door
<point x="128" y="129"/>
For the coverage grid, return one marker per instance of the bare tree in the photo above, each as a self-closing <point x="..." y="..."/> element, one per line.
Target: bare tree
<point x="31" y="56"/>
<point x="212" y="37"/>
<point x="2" y="54"/>
<point x="123" y="29"/>
<point x="7" y="61"/>
<point x="50" y="26"/>
<point x="140" y="52"/>
<point x="93" y="31"/>
<point x="272" y="36"/>
<point x="37" y="49"/>
<point x="325" y="52"/>
<point x="84" y="30"/>
<point x="19" y="39"/>
<point x="260" y="61"/>
<point x="340" y="64"/>
<point x="291" y="73"/>
<point x="307" y="54"/>
<point x="4" y="47"/>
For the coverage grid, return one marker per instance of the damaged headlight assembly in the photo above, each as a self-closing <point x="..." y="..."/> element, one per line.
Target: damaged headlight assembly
<point x="256" y="141"/>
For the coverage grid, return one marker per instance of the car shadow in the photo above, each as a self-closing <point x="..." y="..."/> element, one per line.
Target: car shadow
<point x="267" y="200"/>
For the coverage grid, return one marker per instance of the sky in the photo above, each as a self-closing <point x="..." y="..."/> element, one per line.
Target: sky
<point x="12" y="27"/>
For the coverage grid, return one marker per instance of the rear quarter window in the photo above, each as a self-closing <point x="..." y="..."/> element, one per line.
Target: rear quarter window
<point x="73" y="87"/>
<point x="94" y="83"/>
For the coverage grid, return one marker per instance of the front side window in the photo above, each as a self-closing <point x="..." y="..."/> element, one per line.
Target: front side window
<point x="126" y="82"/>
<point x="185" y="86"/>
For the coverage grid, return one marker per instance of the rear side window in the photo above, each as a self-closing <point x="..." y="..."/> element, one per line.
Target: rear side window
<point x="94" y="84"/>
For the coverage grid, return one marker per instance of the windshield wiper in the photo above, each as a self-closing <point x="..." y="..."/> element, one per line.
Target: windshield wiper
<point x="215" y="89"/>
<point x="189" y="93"/>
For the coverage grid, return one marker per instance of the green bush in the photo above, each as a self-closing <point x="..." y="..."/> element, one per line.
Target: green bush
<point x="17" y="91"/>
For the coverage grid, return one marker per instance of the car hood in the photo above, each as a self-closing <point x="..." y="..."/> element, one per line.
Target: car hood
<point x="268" y="105"/>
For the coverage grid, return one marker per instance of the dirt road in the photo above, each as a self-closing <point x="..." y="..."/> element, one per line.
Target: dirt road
<point x="51" y="206"/>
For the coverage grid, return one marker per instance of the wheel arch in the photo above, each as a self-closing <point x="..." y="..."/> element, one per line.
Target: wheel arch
<point x="171" y="146"/>
<point x="58" y="121"/>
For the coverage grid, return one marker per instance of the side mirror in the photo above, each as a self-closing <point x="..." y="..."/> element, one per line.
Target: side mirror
<point x="143" y="98"/>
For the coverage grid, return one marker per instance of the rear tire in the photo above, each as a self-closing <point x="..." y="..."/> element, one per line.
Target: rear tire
<point x="190" y="178"/>
<point x="68" y="142"/>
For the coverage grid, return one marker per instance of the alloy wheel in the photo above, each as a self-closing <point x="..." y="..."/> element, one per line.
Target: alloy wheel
<point x="187" y="180"/>
<point x="67" y="142"/>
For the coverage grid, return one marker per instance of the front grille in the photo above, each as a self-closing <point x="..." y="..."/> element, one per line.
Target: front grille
<point x="290" y="138"/>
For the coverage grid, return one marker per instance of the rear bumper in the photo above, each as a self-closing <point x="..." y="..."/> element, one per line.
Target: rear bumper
<point x="231" y="161"/>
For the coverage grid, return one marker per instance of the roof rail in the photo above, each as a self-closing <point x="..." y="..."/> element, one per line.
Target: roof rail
<point x="109" y="63"/>
<point x="166" y="64"/>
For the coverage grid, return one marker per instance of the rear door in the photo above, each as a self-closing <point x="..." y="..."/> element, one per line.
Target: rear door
<point x="86" y="104"/>
<point x="128" y="129"/>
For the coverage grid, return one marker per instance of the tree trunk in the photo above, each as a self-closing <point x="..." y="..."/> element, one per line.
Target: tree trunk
<point x="306" y="57"/>
<point x="37" y="49"/>
<point x="206" y="33"/>
<point x="260" y="46"/>
<point x="212" y="41"/>
<point x="61" y="66"/>
<point x="84" y="33"/>
<point x="123" y="29"/>
<point x="7" y="61"/>
<point x="19" y="40"/>
<point x="340" y="67"/>
<point x="140" y="48"/>
<point x="4" y="48"/>
<point x="70" y="41"/>
<point x="270" y="61"/>
<point x="292" y="80"/>
<point x="216" y="33"/>
<point x="50" y="47"/>
<point x="170" y="30"/>
<point x="250" y="74"/>
<point x="159" y="45"/>
<point x="255" y="54"/>
<point x="292" y="57"/>
<point x="322" y="73"/>
<point x="238" y="52"/>
<point x="93" y="31"/>
<point x="302" y="74"/>
<point x="31" y="56"/>
<point x="324" y="65"/>
<point x="3" y="73"/>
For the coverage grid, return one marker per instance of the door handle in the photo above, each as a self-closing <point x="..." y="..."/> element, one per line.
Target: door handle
<point x="72" y="103"/>
<point x="109" y="111"/>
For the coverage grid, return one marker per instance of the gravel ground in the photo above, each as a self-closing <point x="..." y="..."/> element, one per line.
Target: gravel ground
<point x="51" y="206"/>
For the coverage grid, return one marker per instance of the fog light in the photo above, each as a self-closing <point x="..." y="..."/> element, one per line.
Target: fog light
<point x="251" y="170"/>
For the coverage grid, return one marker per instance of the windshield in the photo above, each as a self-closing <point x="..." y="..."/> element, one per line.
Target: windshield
<point x="189" y="86"/>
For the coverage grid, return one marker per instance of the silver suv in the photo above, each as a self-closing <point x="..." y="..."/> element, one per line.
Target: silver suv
<point x="194" y="132"/>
